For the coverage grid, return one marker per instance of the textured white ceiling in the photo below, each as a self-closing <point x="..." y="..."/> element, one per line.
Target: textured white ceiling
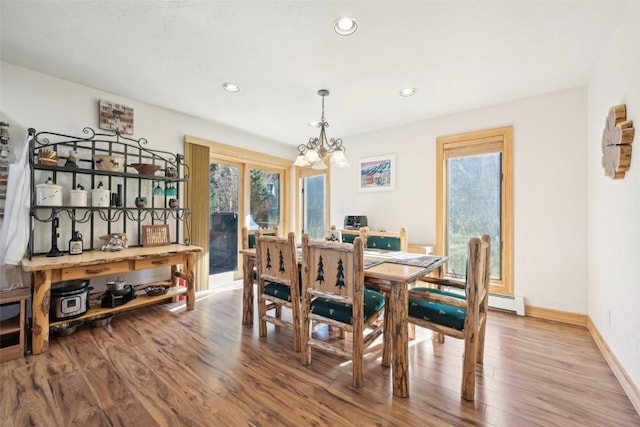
<point x="176" y="54"/>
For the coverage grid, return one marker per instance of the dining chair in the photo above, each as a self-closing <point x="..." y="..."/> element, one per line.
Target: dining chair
<point x="458" y="315"/>
<point x="349" y="235"/>
<point x="278" y="283"/>
<point x="334" y="294"/>
<point x="249" y="242"/>
<point x="387" y="240"/>
<point x="391" y="241"/>
<point x="249" y="236"/>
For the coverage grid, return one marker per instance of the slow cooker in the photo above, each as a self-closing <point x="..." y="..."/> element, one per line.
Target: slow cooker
<point x="69" y="299"/>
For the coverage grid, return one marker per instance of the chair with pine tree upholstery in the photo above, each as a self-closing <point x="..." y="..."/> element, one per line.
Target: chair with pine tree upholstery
<point x="456" y="314"/>
<point x="387" y="240"/>
<point x="334" y="294"/>
<point x="278" y="283"/>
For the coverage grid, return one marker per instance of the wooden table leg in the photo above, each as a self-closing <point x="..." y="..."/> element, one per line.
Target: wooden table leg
<point x="387" y="341"/>
<point x="247" y="294"/>
<point x="400" y="365"/>
<point x="40" y="309"/>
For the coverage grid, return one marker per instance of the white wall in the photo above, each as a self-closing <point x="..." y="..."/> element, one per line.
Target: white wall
<point x="32" y="99"/>
<point x="614" y="205"/>
<point x="550" y="198"/>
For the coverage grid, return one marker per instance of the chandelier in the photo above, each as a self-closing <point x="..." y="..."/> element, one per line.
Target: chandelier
<point x="313" y="152"/>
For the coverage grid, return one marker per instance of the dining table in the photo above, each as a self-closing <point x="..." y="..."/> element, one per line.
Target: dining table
<point x="393" y="272"/>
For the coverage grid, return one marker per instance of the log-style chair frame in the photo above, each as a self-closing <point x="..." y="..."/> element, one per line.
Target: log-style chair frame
<point x="277" y="262"/>
<point x="346" y="261"/>
<point x="476" y="306"/>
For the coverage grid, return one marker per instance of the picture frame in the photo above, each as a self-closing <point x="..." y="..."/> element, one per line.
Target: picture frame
<point x="377" y="173"/>
<point x="155" y="235"/>
<point x="114" y="116"/>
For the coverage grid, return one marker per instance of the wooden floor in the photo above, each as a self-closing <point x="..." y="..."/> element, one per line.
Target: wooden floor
<point x="203" y="368"/>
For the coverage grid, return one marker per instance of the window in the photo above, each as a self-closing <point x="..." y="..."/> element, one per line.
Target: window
<point x="313" y="206"/>
<point x="264" y="195"/>
<point x="474" y="186"/>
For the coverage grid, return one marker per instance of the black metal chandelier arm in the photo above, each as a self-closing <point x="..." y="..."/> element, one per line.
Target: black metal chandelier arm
<point x="334" y="144"/>
<point x="302" y="148"/>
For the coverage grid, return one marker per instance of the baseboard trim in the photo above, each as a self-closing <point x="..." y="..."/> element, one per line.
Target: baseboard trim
<point x="556" y="315"/>
<point x="632" y="391"/>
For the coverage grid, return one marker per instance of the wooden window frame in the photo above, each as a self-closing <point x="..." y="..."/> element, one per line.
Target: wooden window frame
<point x="246" y="160"/>
<point x="475" y="143"/>
<point x="305" y="172"/>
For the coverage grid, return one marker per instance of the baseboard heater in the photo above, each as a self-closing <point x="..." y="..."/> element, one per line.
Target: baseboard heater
<point x="507" y="303"/>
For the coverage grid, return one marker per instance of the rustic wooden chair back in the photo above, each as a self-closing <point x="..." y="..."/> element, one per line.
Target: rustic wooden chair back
<point x="466" y="315"/>
<point x="388" y="240"/>
<point x="348" y="236"/>
<point x="249" y="236"/>
<point x="334" y="294"/>
<point x="278" y="283"/>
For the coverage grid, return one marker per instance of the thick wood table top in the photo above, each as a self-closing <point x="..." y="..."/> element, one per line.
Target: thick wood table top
<point x="42" y="262"/>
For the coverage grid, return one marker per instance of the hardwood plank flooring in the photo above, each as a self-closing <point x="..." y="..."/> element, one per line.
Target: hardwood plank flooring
<point x="158" y="367"/>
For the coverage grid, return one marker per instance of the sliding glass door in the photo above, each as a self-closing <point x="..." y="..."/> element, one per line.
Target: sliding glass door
<point x="224" y="204"/>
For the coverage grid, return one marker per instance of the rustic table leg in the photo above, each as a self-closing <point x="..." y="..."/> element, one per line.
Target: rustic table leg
<point x="40" y="310"/>
<point x="247" y="294"/>
<point x="387" y="341"/>
<point x="400" y="367"/>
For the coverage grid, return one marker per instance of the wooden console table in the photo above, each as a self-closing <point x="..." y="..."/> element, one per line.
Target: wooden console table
<point x="46" y="271"/>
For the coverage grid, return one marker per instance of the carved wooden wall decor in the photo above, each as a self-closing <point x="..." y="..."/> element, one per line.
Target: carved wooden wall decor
<point x="616" y="142"/>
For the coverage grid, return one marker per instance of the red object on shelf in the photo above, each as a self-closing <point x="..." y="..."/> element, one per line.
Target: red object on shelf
<point x="181" y="282"/>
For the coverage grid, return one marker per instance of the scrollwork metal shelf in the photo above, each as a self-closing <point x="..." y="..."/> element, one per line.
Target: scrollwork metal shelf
<point x="57" y="149"/>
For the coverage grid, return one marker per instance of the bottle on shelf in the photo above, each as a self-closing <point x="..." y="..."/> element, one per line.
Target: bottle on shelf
<point x="75" y="244"/>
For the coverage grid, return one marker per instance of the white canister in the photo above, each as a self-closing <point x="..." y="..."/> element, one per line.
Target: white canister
<point x="100" y="198"/>
<point x="78" y="197"/>
<point x="49" y="195"/>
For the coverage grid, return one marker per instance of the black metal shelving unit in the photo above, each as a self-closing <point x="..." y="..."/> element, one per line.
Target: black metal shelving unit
<point x="127" y="218"/>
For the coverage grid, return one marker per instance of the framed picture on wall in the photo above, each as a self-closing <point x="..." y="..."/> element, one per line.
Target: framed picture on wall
<point x="116" y="117"/>
<point x="378" y="173"/>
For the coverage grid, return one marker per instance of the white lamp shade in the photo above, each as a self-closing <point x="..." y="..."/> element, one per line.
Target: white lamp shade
<point x="312" y="156"/>
<point x="338" y="157"/>
<point x="301" y="161"/>
<point x="319" y="165"/>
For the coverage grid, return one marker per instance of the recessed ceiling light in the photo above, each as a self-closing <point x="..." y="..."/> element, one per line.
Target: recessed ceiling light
<point x="410" y="91"/>
<point x="231" y="87"/>
<point x="345" y="26"/>
<point x="314" y="124"/>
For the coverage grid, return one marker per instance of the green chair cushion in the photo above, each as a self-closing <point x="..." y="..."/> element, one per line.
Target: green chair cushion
<point x="372" y="287"/>
<point x="384" y="242"/>
<point x="373" y="303"/>
<point x="281" y="291"/>
<point x="252" y="239"/>
<point x="441" y="314"/>
<point x="348" y="238"/>
<point x="278" y="290"/>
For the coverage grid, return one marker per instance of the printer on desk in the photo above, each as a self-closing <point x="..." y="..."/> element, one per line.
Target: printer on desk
<point x="354" y="222"/>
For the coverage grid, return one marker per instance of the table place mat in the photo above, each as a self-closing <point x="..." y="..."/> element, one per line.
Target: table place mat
<point x="379" y="253"/>
<point x="369" y="262"/>
<point x="419" y="261"/>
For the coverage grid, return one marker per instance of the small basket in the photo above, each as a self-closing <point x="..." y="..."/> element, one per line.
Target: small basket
<point x="154" y="291"/>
